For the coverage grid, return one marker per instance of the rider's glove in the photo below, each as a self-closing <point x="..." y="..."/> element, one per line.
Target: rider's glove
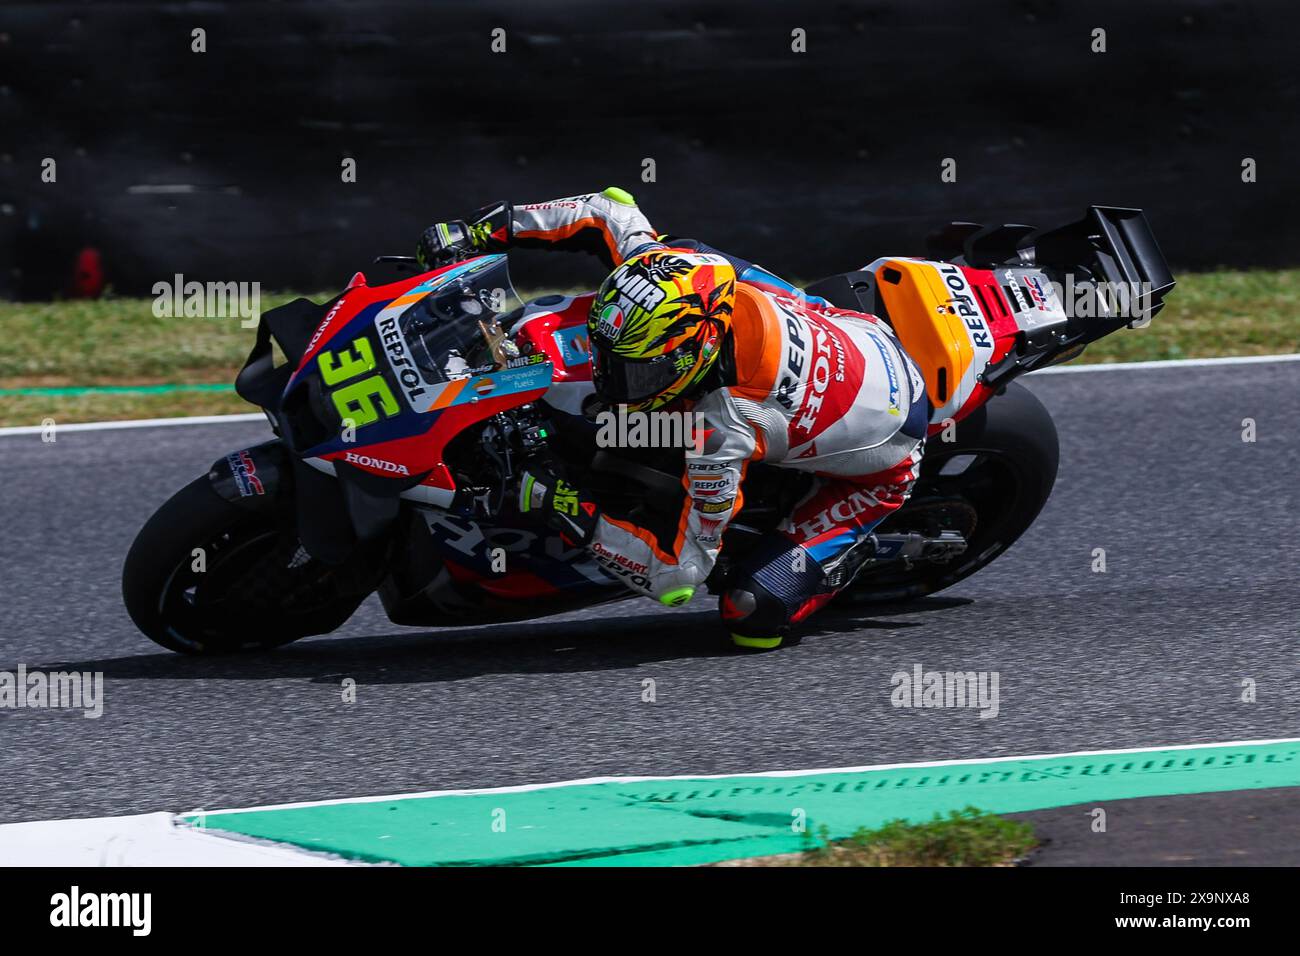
<point x="443" y="242"/>
<point x="548" y="496"/>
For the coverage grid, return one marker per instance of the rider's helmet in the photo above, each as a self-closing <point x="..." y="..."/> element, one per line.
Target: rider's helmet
<point x="657" y="324"/>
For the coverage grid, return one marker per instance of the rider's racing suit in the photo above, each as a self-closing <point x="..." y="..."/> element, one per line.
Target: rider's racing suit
<point x="803" y="386"/>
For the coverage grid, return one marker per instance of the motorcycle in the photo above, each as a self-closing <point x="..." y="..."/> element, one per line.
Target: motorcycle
<point x="402" y="413"/>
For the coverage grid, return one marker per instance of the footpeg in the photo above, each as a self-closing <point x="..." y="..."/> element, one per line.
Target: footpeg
<point x="909" y="548"/>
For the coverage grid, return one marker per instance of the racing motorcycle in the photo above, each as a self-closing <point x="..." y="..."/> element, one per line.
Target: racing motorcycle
<point x="402" y="413"/>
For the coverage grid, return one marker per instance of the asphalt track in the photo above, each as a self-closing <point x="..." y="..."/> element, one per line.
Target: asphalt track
<point x="1240" y="828"/>
<point x="1202" y="538"/>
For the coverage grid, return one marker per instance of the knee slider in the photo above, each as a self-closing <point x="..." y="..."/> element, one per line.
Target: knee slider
<point x="752" y="609"/>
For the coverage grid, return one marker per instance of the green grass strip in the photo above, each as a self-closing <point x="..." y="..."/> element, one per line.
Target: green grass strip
<point x="120" y="389"/>
<point x="705" y="820"/>
<point x="968" y="837"/>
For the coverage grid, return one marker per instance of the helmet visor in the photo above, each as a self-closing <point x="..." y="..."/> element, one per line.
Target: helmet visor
<point x="624" y="381"/>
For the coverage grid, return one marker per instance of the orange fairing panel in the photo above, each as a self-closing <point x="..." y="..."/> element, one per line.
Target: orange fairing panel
<point x="919" y="307"/>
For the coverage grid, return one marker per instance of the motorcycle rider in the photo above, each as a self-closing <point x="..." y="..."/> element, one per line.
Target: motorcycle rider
<point x="774" y="376"/>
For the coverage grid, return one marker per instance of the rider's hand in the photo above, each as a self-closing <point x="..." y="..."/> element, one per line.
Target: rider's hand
<point x="545" y="494"/>
<point x="443" y="242"/>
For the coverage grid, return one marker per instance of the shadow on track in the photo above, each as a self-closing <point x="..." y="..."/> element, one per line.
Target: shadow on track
<point x="415" y="657"/>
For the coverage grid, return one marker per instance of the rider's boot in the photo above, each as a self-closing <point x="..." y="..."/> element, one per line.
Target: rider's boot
<point x="782" y="585"/>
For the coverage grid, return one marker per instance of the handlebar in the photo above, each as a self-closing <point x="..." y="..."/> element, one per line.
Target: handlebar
<point x="406" y="263"/>
<point x="411" y="264"/>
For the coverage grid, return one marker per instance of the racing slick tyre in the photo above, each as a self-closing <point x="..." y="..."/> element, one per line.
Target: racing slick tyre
<point x="205" y="576"/>
<point x="989" y="484"/>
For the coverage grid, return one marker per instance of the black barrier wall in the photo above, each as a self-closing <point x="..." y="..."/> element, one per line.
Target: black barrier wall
<point x="227" y="164"/>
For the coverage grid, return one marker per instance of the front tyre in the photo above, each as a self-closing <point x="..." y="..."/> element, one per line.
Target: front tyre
<point x="205" y="576"/>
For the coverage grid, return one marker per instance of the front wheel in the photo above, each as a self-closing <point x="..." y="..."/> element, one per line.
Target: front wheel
<point x="205" y="576"/>
<point x="989" y="484"/>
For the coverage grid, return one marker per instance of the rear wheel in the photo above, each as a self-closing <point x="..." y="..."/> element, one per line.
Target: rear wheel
<point x="205" y="576"/>
<point x="989" y="484"/>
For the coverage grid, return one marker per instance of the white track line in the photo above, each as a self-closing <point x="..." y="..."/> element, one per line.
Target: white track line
<point x="1055" y="370"/>
<point x="147" y="839"/>
<point x="136" y="423"/>
<point x="1169" y="363"/>
<point x="522" y="788"/>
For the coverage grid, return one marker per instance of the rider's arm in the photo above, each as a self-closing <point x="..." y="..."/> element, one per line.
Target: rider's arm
<point x="671" y="571"/>
<point x="607" y="224"/>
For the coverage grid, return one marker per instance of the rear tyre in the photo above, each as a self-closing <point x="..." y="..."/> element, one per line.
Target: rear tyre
<point x="990" y="483"/>
<point x="205" y="576"/>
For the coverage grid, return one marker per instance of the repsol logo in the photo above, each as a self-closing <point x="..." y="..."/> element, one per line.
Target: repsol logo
<point x="963" y="303"/>
<point x="377" y="463"/>
<point x="707" y="485"/>
<point x="631" y="572"/>
<point x="796" y="358"/>
<point x="411" y="382"/>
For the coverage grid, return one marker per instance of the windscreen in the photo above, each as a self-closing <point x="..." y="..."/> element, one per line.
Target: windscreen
<point x="457" y="330"/>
